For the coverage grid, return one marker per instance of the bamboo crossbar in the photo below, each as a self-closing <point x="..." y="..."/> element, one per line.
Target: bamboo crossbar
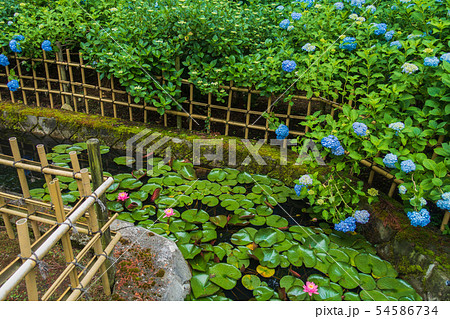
<point x="29" y="201"/>
<point x="29" y="264"/>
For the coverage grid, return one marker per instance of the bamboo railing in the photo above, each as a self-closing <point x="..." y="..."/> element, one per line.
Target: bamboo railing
<point x="61" y="221"/>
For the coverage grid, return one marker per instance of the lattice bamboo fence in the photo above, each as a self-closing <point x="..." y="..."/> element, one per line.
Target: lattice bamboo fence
<point x="60" y="220"/>
<point x="68" y="79"/>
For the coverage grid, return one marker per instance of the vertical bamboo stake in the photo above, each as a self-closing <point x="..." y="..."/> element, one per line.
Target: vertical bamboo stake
<point x="24" y="184"/>
<point x="55" y="195"/>
<point x="62" y="74"/>
<point x="95" y="163"/>
<point x="308" y="112"/>
<point x="74" y="99"/>
<point x="130" y="111"/>
<point x="83" y="81"/>
<point x="47" y="75"/>
<point x="230" y="99"/>
<point x="445" y="220"/>
<point x="208" y="127"/>
<point x="247" y="117"/>
<point x="25" y="252"/>
<point x="19" y="71"/>
<point x="100" y="94"/>
<point x="191" y="105"/>
<point x="392" y="189"/>
<point x="7" y="75"/>
<point x="113" y="97"/>
<point x="76" y="169"/>
<point x="145" y="112"/>
<point x="266" y="134"/>
<point x="8" y="225"/>
<point x="177" y="67"/>
<point x="36" y="93"/>
<point x="93" y="225"/>
<point x="44" y="162"/>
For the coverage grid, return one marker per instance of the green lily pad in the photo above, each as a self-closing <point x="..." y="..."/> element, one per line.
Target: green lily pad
<point x="195" y="216"/>
<point x="351" y="296"/>
<point x="373" y="295"/>
<point x="251" y="282"/>
<point x="68" y="198"/>
<point x="397" y="288"/>
<point x="230" y="204"/>
<point x="140" y="215"/>
<point x="263" y="293"/>
<point x="133" y="204"/>
<point x="276" y="221"/>
<point x="262" y="189"/>
<point x="63" y="158"/>
<point x="150" y="188"/>
<point x="124" y="160"/>
<point x="344" y="274"/>
<point x="239" y="190"/>
<point x="189" y="251"/>
<point x="139" y="173"/>
<point x="258" y="220"/>
<point x="327" y="293"/>
<point x="126" y="217"/>
<point x="166" y="201"/>
<point x="217" y="175"/>
<point x="141" y="195"/>
<point x="368" y="263"/>
<point x="111" y="189"/>
<point x="184" y="200"/>
<point x="224" y="275"/>
<point x="267" y="237"/>
<point x="61" y="148"/>
<point x="244" y="236"/>
<point x="37" y="193"/>
<point x="121" y="177"/>
<point x="173" y="180"/>
<point x="201" y="286"/>
<point x="245" y="203"/>
<point x="211" y="201"/>
<point x="220" y="220"/>
<point x="267" y="257"/>
<point x="263" y="210"/>
<point x="187" y="171"/>
<point x="338" y="255"/>
<point x="244" y="178"/>
<point x="130" y="183"/>
<point x="299" y="254"/>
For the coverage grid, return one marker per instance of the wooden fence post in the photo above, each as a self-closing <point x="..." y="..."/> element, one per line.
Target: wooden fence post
<point x="25" y="252"/>
<point x="177" y="67"/>
<point x="95" y="163"/>
<point x="62" y="75"/>
<point x="9" y="229"/>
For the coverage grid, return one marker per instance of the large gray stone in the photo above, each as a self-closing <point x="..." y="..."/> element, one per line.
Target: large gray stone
<point x="174" y="284"/>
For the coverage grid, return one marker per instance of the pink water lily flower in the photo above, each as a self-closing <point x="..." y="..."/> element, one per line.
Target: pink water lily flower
<point x="123" y="196"/>
<point x="310" y="288"/>
<point x="168" y="212"/>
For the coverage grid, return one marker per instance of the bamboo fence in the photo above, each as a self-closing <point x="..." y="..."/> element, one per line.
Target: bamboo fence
<point x="46" y="83"/>
<point x="60" y="220"/>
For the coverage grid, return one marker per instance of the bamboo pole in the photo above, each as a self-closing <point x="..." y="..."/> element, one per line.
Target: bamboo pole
<point x="247" y="116"/>
<point x="19" y="71"/>
<point x="38" y="103"/>
<point x="100" y="261"/>
<point x="25" y="251"/>
<point x="12" y="282"/>
<point x="178" y="67"/>
<point x="69" y="64"/>
<point x="62" y="74"/>
<point x="47" y="75"/>
<point x="191" y="105"/>
<point x="44" y="162"/>
<point x="55" y="195"/>
<point x="78" y="258"/>
<point x="76" y="169"/>
<point x="83" y="82"/>
<point x="94" y="226"/>
<point x="95" y="163"/>
<point x="24" y="184"/>
<point x="8" y="225"/>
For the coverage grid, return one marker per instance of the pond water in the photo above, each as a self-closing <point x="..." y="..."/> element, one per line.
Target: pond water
<point x="245" y="236"/>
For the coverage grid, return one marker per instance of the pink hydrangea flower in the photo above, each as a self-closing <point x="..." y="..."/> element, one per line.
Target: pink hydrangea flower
<point x="310" y="288"/>
<point x="123" y="196"/>
<point x="168" y="212"/>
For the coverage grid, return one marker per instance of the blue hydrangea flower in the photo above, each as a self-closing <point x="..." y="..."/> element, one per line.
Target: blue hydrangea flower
<point x="330" y="141"/>
<point x="431" y="61"/>
<point x="4" y="60"/>
<point x="298" y="189"/>
<point x="408" y="166"/>
<point x="288" y="65"/>
<point x="421" y="218"/>
<point x="338" y="151"/>
<point x="15" y="46"/>
<point x="445" y="57"/>
<point x="397" y="44"/>
<point x="405" y="1"/>
<point x="394" y="7"/>
<point x="46" y="45"/>
<point x="308" y="2"/>
<point x="305" y="180"/>
<point x="339" y="5"/>
<point x="360" y="129"/>
<point x="362" y="216"/>
<point x="284" y="24"/>
<point x="308" y="47"/>
<point x="397" y="127"/>
<point x="282" y="132"/>
<point x="389" y="160"/>
<point x="18" y="37"/>
<point x="357" y="3"/>
<point x="349" y="43"/>
<point x="380" y="28"/>
<point x="443" y="204"/>
<point x="446" y="196"/>
<point x="348" y="224"/>
<point x="280" y="8"/>
<point x="290" y="28"/>
<point x="10" y="22"/>
<point x="388" y="35"/>
<point x="296" y="16"/>
<point x="410" y="5"/>
<point x="372" y="8"/>
<point x="402" y="189"/>
<point x="13" y="85"/>
<point x="422" y="201"/>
